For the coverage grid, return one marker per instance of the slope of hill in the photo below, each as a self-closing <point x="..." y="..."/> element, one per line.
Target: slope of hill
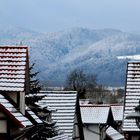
<point x="95" y="51"/>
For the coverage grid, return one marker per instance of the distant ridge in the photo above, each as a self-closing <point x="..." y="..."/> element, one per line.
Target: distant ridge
<point x="95" y="51"/>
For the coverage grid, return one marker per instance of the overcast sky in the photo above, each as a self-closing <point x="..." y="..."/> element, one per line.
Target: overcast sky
<point x="55" y="15"/>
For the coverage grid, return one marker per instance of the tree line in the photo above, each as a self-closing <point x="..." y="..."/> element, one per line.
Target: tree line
<point x="85" y="84"/>
<point x="87" y="87"/>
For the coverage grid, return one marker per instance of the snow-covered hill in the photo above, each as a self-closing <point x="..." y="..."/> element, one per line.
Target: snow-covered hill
<point x="95" y="51"/>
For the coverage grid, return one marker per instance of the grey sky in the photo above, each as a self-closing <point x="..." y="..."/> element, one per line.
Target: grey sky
<point x="54" y="15"/>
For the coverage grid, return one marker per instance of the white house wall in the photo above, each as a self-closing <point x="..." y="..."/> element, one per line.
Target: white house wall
<point x="13" y="96"/>
<point x="22" y="102"/>
<point x="89" y="132"/>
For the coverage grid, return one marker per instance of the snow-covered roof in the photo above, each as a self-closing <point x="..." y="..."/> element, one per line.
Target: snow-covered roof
<point x="94" y="114"/>
<point x="117" y="112"/>
<point x="113" y="134"/>
<point x="132" y="95"/>
<point x="63" y="104"/>
<point x="33" y="115"/>
<point x="60" y="137"/>
<point x="12" y="68"/>
<point x="13" y="113"/>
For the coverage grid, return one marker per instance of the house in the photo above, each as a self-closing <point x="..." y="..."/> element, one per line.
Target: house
<point x="132" y="97"/>
<point x="14" y="84"/>
<point x="65" y="112"/>
<point x="116" y="134"/>
<point x="11" y="120"/>
<point x="14" y="74"/>
<point x="95" y="119"/>
<point x="17" y="120"/>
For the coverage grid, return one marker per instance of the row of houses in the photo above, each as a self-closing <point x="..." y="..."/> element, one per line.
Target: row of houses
<point x="125" y="123"/>
<point x="102" y="121"/>
<point x="60" y="110"/>
<point x="17" y="119"/>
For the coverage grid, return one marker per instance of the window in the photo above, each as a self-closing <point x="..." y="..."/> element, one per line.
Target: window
<point x="3" y="126"/>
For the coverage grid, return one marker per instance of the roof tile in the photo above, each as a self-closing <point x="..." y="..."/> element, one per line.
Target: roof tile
<point x="132" y="95"/>
<point x="12" y="68"/>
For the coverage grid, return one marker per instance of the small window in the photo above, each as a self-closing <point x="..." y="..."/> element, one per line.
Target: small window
<point x="3" y="126"/>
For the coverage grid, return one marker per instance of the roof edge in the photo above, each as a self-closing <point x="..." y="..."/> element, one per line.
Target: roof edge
<point x="11" y="116"/>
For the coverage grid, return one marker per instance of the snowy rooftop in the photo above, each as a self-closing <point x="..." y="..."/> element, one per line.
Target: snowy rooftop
<point x="94" y="114"/>
<point x="12" y="68"/>
<point x="33" y="115"/>
<point x="63" y="104"/>
<point x="132" y="95"/>
<point x="60" y="137"/>
<point x="18" y="117"/>
<point x="117" y="111"/>
<point x="113" y="134"/>
<point x="131" y="57"/>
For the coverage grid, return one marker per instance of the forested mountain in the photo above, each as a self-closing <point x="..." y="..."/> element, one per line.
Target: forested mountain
<point x="95" y="51"/>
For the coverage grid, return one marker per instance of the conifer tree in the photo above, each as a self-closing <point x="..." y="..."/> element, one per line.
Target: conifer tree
<point x="35" y="86"/>
<point x="46" y="129"/>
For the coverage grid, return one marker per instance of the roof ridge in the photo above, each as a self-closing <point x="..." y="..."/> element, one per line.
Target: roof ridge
<point x="10" y="46"/>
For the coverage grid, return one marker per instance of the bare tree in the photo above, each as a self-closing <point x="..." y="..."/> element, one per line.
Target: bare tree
<point x="81" y="82"/>
<point x="91" y="83"/>
<point x="77" y="81"/>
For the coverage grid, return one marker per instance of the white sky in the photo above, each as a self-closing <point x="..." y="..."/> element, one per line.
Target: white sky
<point x="54" y="15"/>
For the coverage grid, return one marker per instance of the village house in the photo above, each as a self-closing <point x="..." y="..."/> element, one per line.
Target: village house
<point x="65" y="112"/>
<point x="17" y="120"/>
<point x="132" y="98"/>
<point x="98" y="121"/>
<point x="101" y="121"/>
<point x="14" y="84"/>
<point x="115" y="132"/>
<point x="95" y="119"/>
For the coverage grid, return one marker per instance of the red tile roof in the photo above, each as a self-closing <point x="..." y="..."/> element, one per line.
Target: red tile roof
<point x="13" y="61"/>
<point x="13" y="113"/>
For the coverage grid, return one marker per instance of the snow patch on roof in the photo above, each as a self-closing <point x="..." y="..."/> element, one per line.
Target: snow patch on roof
<point x="94" y="114"/>
<point x="63" y="105"/>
